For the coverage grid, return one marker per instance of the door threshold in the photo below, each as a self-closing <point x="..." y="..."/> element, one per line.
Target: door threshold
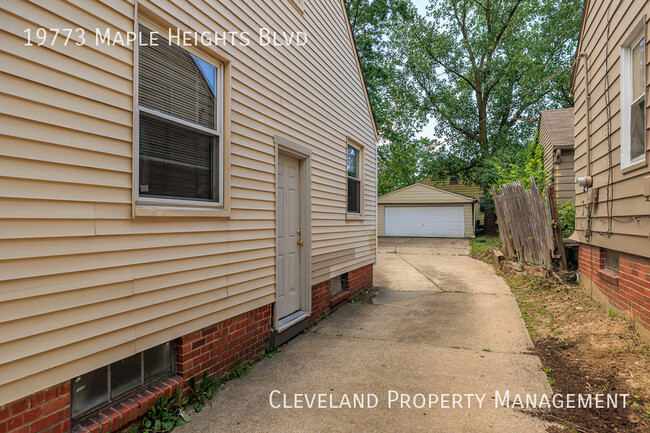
<point x="290" y="320"/>
<point x="289" y="327"/>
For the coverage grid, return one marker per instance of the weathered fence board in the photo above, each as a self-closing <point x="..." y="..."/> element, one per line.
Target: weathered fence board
<point x="524" y="223"/>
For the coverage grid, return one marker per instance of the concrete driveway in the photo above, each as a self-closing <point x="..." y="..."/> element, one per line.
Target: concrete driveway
<point x="441" y="326"/>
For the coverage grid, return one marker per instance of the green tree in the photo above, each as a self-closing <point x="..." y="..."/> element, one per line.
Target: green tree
<point x="528" y="163"/>
<point x="400" y="164"/>
<point x="476" y="66"/>
<point x="369" y="21"/>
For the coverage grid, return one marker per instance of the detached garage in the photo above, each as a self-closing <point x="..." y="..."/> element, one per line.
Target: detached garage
<point x="424" y="211"/>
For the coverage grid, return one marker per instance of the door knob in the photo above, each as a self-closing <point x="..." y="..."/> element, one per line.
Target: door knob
<point x="299" y="242"/>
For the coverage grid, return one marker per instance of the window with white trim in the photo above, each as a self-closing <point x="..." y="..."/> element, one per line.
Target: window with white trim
<point x="633" y="100"/>
<point x="180" y="149"/>
<point x="354" y="179"/>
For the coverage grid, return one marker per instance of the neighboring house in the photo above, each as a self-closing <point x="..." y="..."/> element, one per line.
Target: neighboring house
<point x="556" y="130"/>
<point x="167" y="209"/>
<point x="452" y="184"/>
<point x="611" y="157"/>
<point x="420" y="210"/>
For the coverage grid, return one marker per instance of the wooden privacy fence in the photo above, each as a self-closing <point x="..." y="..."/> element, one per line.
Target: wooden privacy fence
<point x="525" y="223"/>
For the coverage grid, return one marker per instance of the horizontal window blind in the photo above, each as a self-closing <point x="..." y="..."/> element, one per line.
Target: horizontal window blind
<point x="174" y="82"/>
<point x="354" y="195"/>
<point x="176" y="161"/>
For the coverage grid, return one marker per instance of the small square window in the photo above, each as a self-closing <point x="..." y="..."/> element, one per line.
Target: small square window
<point x="611" y="260"/>
<point x="354" y="180"/>
<point x="453" y="179"/>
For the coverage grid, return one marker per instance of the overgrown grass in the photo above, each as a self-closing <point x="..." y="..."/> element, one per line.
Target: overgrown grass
<point x="481" y="247"/>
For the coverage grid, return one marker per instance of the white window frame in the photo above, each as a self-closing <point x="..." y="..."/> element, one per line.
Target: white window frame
<point x="179" y="203"/>
<point x="359" y="149"/>
<point x="626" y="98"/>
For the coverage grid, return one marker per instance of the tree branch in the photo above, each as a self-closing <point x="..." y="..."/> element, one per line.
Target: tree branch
<point x="435" y="59"/>
<point x="437" y="108"/>
<point x="463" y="28"/>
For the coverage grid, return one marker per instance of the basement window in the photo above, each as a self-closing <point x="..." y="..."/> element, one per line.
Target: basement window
<point x="611" y="260"/>
<point x="98" y="389"/>
<point x="180" y="150"/>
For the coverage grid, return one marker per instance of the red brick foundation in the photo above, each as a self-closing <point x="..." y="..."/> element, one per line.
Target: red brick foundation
<point x="359" y="279"/>
<point x="627" y="290"/>
<point x="321" y="300"/>
<point x="47" y="411"/>
<point x="218" y="348"/>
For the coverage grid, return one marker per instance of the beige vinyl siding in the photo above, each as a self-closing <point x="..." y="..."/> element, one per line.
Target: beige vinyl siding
<point x="420" y="194"/>
<point x="460" y="188"/>
<point x="628" y="235"/>
<point x="561" y="173"/>
<point x="83" y="283"/>
<point x="564" y="177"/>
<point x="547" y="147"/>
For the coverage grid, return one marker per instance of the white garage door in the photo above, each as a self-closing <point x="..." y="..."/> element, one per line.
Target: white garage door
<point x="425" y="221"/>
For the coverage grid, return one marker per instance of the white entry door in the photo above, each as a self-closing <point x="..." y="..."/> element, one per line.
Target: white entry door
<point x="288" y="237"/>
<point x="425" y="221"/>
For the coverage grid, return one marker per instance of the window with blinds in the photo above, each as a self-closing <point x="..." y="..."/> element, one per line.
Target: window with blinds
<point x="179" y="138"/>
<point x="354" y="180"/>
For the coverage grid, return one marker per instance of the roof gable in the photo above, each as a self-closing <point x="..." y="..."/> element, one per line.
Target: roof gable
<point x="559" y="126"/>
<point x="419" y="193"/>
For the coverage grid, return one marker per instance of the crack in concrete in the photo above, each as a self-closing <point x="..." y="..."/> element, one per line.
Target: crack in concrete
<point x="450" y="291"/>
<point x="421" y="273"/>
<point x="528" y="352"/>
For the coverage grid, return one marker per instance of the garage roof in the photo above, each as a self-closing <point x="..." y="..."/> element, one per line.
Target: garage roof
<point x="424" y="194"/>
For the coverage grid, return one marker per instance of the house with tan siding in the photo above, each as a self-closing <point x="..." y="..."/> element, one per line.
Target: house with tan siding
<point x="610" y="88"/>
<point x="555" y="130"/>
<point x="172" y="205"/>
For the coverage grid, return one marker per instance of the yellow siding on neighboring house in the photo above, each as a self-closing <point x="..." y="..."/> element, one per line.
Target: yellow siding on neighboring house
<point x="82" y="283"/>
<point x="460" y="188"/>
<point x="628" y="216"/>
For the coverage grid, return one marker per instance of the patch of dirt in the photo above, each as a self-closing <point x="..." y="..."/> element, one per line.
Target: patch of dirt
<point x="571" y="375"/>
<point x="585" y="349"/>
